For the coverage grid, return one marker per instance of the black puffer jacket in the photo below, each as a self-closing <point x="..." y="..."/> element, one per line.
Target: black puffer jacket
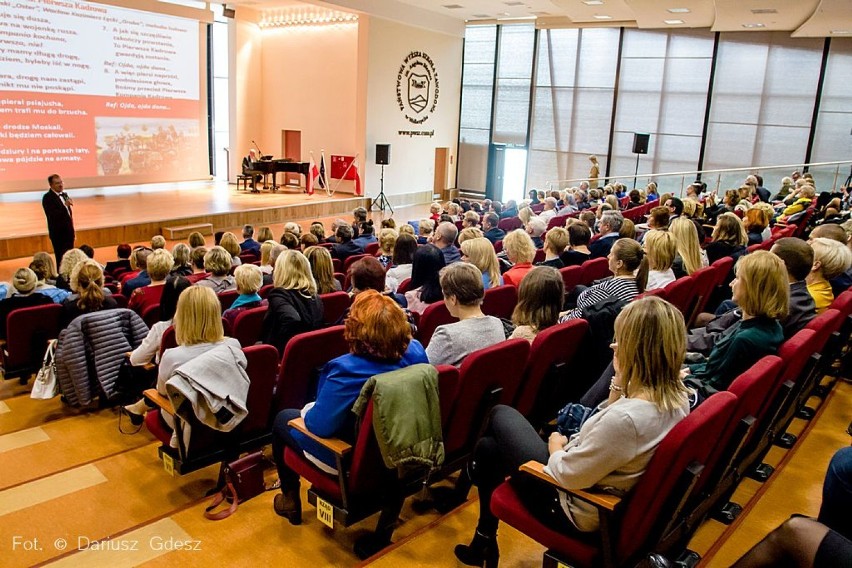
<point x="90" y="352"/>
<point x="290" y="313"/>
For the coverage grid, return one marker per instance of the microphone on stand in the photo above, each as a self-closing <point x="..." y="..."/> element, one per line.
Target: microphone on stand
<point x="259" y="151"/>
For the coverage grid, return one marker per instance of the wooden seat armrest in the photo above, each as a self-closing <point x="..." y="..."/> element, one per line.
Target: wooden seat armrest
<point x="159" y="400"/>
<point x="334" y="445"/>
<point x="600" y="500"/>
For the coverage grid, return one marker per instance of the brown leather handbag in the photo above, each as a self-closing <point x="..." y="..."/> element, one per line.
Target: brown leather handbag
<point x="243" y="480"/>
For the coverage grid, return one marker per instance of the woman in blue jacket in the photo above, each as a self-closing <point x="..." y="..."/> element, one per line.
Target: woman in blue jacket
<point x="380" y="341"/>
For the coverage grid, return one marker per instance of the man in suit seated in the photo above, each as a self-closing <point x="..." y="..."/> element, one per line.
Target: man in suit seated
<point x="248" y="169"/>
<point x="610" y="224"/>
<point x="249" y="245"/>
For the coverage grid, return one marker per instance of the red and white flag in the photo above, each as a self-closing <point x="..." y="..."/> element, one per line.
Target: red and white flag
<point x="358" y="191"/>
<point x="313" y="174"/>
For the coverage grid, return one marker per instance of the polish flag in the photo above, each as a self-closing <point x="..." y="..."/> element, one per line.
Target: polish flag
<point x="358" y="191"/>
<point x="313" y="175"/>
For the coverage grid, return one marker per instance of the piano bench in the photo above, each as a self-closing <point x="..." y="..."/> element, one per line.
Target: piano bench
<point x="243" y="182"/>
<point x="177" y="233"/>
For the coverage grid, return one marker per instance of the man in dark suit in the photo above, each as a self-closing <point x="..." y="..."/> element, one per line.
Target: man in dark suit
<point x="248" y="169"/>
<point x="491" y="231"/>
<point x="60" y="219"/>
<point x="610" y="225"/>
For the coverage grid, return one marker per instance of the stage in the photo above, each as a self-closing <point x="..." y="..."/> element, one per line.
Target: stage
<point x="112" y="215"/>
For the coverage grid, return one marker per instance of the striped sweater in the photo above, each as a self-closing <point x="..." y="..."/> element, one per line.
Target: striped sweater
<point x="621" y="288"/>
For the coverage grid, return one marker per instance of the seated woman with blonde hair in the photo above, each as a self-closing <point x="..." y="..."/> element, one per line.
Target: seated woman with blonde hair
<point x="230" y="243"/>
<point x="480" y="252"/>
<point x="540" y="298"/>
<point x="217" y="261"/>
<point x="612" y="448"/>
<point x="831" y="259"/>
<point x="249" y="280"/>
<point x="380" y="341"/>
<point x="661" y="248"/>
<point x="322" y="269"/>
<point x="87" y="287"/>
<point x="198" y="329"/>
<point x="294" y="306"/>
<point x="690" y="256"/>
<point x="160" y="263"/>
<point x="729" y="238"/>
<point x="520" y="249"/>
<point x="761" y="290"/>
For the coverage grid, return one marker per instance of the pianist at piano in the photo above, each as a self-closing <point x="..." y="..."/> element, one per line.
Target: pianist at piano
<point x="248" y="170"/>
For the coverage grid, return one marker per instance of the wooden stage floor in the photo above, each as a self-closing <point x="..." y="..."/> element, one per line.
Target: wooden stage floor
<point x="112" y="215"/>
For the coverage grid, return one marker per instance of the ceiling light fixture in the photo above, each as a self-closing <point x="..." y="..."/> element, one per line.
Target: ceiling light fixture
<point x="841" y="32"/>
<point x="602" y="17"/>
<point x="750" y="26"/>
<point x="593" y="2"/>
<point x="673" y="22"/>
<point x="678" y="10"/>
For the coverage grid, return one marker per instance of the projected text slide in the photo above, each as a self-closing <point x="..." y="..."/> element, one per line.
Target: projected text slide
<point x="94" y="90"/>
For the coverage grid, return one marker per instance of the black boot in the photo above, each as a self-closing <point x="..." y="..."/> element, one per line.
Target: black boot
<point x="288" y="504"/>
<point x="482" y="551"/>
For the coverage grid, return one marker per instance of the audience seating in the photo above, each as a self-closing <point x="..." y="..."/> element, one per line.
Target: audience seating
<point x="337" y="264"/>
<point x="631" y="526"/>
<point x="498" y="246"/>
<point x="248" y="326"/>
<point x="488" y="377"/>
<point x="571" y="277"/>
<point x="549" y="373"/>
<point x="227" y="298"/>
<point x="151" y="315"/>
<point x="208" y="446"/>
<point x="595" y="269"/>
<point x="371" y="249"/>
<point x="364" y="485"/>
<point x="539" y="257"/>
<point x="341" y="278"/>
<point x="704" y="281"/>
<point x="434" y="315"/>
<point x="249" y="257"/>
<point x="27" y="333"/>
<point x="265" y="290"/>
<point x="120" y="301"/>
<point x="509" y="224"/>
<point x="404" y="286"/>
<point x="682" y="294"/>
<point x="334" y="305"/>
<point x="500" y="301"/>
<point x="303" y="357"/>
<point x="352" y="260"/>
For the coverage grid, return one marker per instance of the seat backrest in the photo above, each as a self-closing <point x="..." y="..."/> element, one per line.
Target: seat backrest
<point x="682" y="294"/>
<point x="595" y="269"/>
<point x="248" y="326"/>
<point x="371" y="249"/>
<point x="751" y="388"/>
<point x="448" y="389"/>
<point x="265" y="290"/>
<point x="27" y="333"/>
<point x="652" y="500"/>
<point x="337" y="264"/>
<point x="704" y="281"/>
<point x="434" y="315"/>
<point x="843" y="303"/>
<point x="500" y="301"/>
<point x="352" y="260"/>
<point x="262" y="369"/>
<point x="404" y="286"/>
<point x="227" y="298"/>
<point x="500" y="365"/>
<point x="169" y="339"/>
<point x="571" y="277"/>
<point x="556" y="221"/>
<point x="553" y="347"/>
<point x="303" y="356"/>
<point x="120" y="301"/>
<point x="509" y="224"/>
<point x="723" y="267"/>
<point x="825" y="324"/>
<point x="334" y="305"/>
<point x="151" y="315"/>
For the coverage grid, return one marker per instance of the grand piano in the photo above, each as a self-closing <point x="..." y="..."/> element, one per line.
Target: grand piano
<point x="267" y="167"/>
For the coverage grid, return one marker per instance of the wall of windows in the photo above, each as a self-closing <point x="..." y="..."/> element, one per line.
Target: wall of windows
<point x="480" y="52"/>
<point x="751" y="105"/>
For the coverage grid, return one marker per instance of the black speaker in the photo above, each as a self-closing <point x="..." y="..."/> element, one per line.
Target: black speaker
<point x="640" y="143"/>
<point x="382" y="154"/>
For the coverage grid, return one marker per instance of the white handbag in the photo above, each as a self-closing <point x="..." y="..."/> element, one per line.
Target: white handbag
<point x="45" y="386"/>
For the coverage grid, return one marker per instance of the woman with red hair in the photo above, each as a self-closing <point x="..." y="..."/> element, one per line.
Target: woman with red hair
<point x="380" y="341"/>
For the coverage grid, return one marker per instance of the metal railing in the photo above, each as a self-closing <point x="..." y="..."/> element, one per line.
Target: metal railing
<point x="828" y="176"/>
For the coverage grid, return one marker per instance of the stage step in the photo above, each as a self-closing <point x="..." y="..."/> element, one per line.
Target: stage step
<point x="177" y="233"/>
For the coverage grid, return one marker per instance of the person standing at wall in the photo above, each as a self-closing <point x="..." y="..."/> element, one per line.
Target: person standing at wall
<point x="57" y="207"/>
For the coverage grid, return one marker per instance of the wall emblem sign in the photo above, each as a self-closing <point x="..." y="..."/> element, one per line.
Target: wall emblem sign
<point x="417" y="87"/>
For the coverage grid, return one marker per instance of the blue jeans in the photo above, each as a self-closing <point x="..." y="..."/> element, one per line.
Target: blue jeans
<point x="836" y="510"/>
